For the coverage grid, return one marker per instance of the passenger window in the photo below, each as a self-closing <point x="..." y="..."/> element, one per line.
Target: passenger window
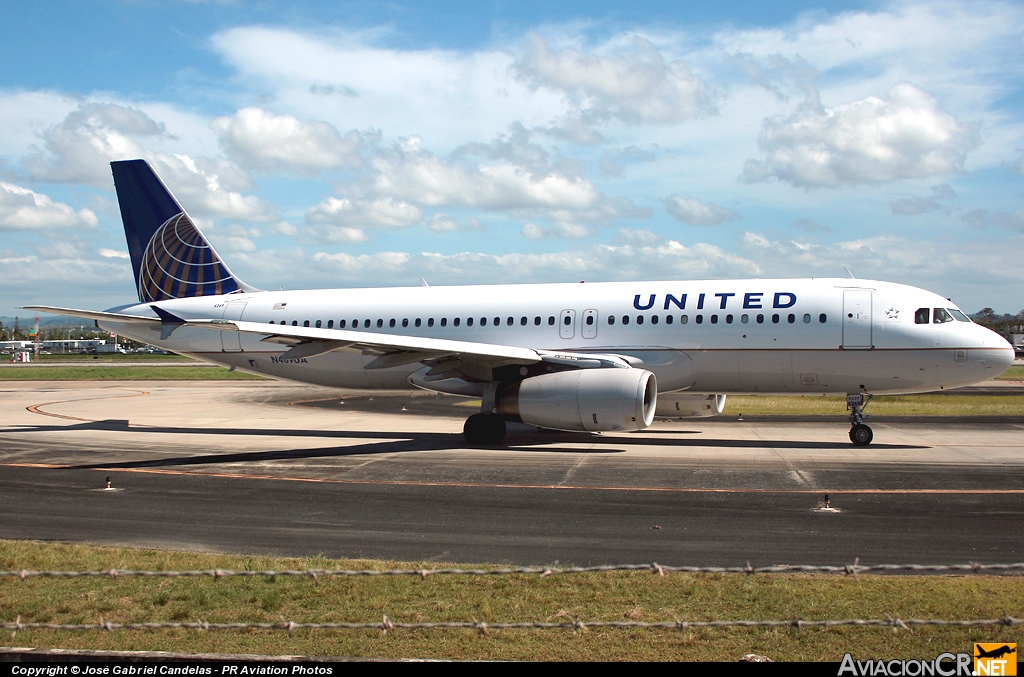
<point x="654" y="319"/>
<point x="668" y="319"/>
<point x="775" y="318"/>
<point x="456" y="321"/>
<point x="807" y="318"/>
<point x="341" y="324"/>
<point x="510" y="321"/>
<point x="714" y="319"/>
<point x="590" y="320"/>
<point x="295" y="323"/>
<point x="683" y="319"/>
<point x="444" y="321"/>
<point x="744" y="318"/>
<point x="318" y="324"/>
<point x="430" y="322"/>
<point x="417" y="322"/>
<point x="405" y="321"/>
<point x="639" y="319"/>
<point x="330" y="324"/>
<point x="497" y="322"/>
<point x="728" y="319"/>
<point x="567" y="321"/>
<point x="625" y="319"/>
<point x="700" y="319"/>
<point x="483" y="321"/>
<point x="391" y="323"/>
<point x="306" y="323"/>
<point x="551" y="320"/>
<point x="536" y="321"/>
<point x="822" y="318"/>
<point x="522" y="321"/>
<point x="921" y="316"/>
<point x="366" y="324"/>
<point x="940" y="316"/>
<point x="380" y="323"/>
<point x="791" y="318"/>
<point x="469" y="321"/>
<point x="760" y="318"/>
<point x="611" y="319"/>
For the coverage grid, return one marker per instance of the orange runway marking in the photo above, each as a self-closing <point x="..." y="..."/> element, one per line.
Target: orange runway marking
<point x="578" y="487"/>
<point x="35" y="408"/>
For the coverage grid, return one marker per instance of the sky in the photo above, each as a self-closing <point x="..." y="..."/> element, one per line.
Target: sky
<point x="355" y="144"/>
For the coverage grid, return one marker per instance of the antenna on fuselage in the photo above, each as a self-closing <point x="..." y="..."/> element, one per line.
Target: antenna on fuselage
<point x="849" y="273"/>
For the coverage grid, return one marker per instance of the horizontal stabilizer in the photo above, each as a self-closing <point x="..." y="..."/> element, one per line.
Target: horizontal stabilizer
<point x="93" y="314"/>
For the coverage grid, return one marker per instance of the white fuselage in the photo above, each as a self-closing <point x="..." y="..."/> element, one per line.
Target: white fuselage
<point x="730" y="336"/>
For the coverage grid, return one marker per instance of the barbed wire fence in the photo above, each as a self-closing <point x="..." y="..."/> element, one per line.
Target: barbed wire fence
<point x="387" y="625"/>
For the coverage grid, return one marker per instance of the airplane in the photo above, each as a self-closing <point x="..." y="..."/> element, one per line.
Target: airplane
<point x="576" y="357"/>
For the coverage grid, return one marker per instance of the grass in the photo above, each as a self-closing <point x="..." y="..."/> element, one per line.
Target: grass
<point x="882" y="405"/>
<point x="1014" y="373"/>
<point x="121" y="373"/>
<point x="134" y="357"/>
<point x="608" y="596"/>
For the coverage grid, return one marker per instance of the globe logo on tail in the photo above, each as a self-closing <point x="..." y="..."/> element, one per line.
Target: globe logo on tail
<point x="180" y="263"/>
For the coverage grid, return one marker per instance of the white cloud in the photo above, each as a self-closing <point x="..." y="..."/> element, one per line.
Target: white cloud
<point x="379" y="213"/>
<point x="968" y="270"/>
<point x="867" y="141"/>
<point x="632" y="84"/>
<point x="112" y="254"/>
<point x="696" y="213"/>
<point x="80" y="148"/>
<point x="24" y="209"/>
<point x="571" y="231"/>
<point x="263" y="141"/>
<point x="410" y="173"/>
<point x="442" y="223"/>
<point x="654" y="261"/>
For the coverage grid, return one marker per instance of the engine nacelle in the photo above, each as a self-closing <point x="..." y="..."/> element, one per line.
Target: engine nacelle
<point x="689" y="405"/>
<point x="583" y="399"/>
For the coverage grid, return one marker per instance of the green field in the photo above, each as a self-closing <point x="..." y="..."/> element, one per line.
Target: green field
<point x="87" y="372"/>
<point x="883" y="405"/>
<point x="1014" y="373"/>
<point x="640" y="596"/>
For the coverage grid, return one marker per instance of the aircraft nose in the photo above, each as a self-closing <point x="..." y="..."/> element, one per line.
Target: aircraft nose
<point x="998" y="352"/>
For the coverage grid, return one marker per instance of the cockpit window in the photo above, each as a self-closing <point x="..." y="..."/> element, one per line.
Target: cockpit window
<point x="921" y="316"/>
<point x="940" y="316"/>
<point x="958" y="315"/>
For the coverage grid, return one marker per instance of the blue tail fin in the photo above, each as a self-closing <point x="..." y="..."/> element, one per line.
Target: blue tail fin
<point x="170" y="257"/>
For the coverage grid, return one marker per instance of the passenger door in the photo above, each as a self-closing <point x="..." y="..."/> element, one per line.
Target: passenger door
<point x="857" y="318"/>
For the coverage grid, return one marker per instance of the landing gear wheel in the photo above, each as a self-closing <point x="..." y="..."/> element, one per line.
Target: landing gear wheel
<point x="861" y="435"/>
<point x="484" y="429"/>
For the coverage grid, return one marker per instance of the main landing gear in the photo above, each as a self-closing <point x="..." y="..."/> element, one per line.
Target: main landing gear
<point x="860" y="434"/>
<point x="484" y="429"/>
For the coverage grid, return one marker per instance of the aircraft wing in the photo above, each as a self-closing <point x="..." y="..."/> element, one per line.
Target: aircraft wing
<point x="393" y="349"/>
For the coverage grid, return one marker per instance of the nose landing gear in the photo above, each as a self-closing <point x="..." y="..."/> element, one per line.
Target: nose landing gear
<point x="860" y="434"/>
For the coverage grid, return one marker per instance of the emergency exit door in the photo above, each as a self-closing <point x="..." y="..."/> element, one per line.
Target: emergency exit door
<point x="231" y="341"/>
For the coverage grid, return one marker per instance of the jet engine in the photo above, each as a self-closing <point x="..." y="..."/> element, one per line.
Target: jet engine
<point x="583" y="399"/>
<point x="689" y="405"/>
